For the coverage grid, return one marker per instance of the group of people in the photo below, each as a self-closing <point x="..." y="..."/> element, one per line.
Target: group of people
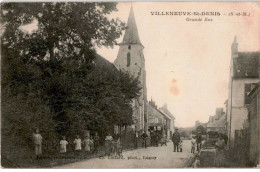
<point x="155" y="138"/>
<point x="220" y="150"/>
<point x="196" y="141"/>
<point x="89" y="144"/>
<point x="112" y="144"/>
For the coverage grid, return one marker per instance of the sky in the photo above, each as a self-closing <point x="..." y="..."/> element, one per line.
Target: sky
<point x="187" y="62"/>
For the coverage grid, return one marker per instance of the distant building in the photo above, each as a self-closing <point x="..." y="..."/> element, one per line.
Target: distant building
<point x="131" y="59"/>
<point x="217" y="123"/>
<point x="165" y="109"/>
<point x="254" y="125"/>
<point x="244" y="75"/>
<point x="158" y="120"/>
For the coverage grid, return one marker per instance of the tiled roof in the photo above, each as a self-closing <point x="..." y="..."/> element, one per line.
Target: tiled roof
<point x="246" y="65"/>
<point x="165" y="110"/>
<point x="101" y="61"/>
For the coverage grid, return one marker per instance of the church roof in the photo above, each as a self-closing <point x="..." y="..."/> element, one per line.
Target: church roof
<point x="246" y="65"/>
<point x="102" y="62"/>
<point x="131" y="33"/>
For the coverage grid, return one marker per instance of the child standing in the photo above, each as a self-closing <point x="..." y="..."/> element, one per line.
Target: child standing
<point x="63" y="145"/>
<point x="77" y="143"/>
<point x="91" y="144"/>
<point x="87" y="142"/>
<point x="37" y="139"/>
<point x="180" y="146"/>
<point x="193" y="144"/>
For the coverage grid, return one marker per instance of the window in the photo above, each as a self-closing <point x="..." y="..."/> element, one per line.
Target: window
<point x="248" y="88"/>
<point x="129" y="47"/>
<point x="128" y="59"/>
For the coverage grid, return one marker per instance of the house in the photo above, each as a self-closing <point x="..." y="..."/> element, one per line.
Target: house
<point x="244" y="75"/>
<point x="166" y="111"/>
<point x="254" y="125"/>
<point x="158" y="121"/>
<point x="216" y="124"/>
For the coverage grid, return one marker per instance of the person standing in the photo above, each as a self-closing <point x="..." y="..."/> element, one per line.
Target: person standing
<point x="91" y="144"/>
<point x="199" y="141"/>
<point x="193" y="143"/>
<point x="116" y="137"/>
<point x="77" y="142"/>
<point x="108" y="144"/>
<point x="96" y="142"/>
<point x="136" y="139"/>
<point x="180" y="146"/>
<point x="220" y="152"/>
<point x="116" y="142"/>
<point x="37" y="139"/>
<point x="176" y="140"/>
<point x="87" y="142"/>
<point x="156" y="139"/>
<point x="144" y="138"/>
<point x="63" y="145"/>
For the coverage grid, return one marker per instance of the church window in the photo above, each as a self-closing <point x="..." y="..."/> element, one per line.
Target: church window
<point x="129" y="47"/>
<point x="128" y="59"/>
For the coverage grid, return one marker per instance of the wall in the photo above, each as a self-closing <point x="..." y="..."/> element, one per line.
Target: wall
<point x="152" y="112"/>
<point x="254" y="126"/>
<point x="136" y="69"/>
<point x="238" y="110"/>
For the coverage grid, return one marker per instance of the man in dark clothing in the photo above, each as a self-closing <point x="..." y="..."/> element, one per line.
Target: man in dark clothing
<point x="96" y="142"/>
<point x="225" y="137"/>
<point x="144" y="137"/>
<point x="116" y="137"/>
<point x="176" y="138"/>
<point x="199" y="142"/>
<point x="152" y="138"/>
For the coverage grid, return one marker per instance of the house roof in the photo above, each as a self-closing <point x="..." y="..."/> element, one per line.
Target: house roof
<point x="166" y="111"/>
<point x="246" y="65"/>
<point x="152" y="106"/>
<point x="218" y="123"/>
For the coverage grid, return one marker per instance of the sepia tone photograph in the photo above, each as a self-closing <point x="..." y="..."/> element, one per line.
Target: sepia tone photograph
<point x="130" y="85"/>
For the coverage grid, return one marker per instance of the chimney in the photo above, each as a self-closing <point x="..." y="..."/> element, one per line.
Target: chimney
<point x="234" y="48"/>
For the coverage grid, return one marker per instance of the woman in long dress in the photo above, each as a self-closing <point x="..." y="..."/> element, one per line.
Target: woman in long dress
<point x="220" y="152"/>
<point x="108" y="143"/>
<point x="87" y="143"/>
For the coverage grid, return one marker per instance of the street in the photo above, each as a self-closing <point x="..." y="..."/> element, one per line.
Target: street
<point x="152" y="157"/>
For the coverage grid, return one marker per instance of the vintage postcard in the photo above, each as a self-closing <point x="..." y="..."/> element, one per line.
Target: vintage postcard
<point x="130" y="85"/>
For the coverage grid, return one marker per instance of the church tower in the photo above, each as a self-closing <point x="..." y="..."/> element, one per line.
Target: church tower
<point x="130" y="59"/>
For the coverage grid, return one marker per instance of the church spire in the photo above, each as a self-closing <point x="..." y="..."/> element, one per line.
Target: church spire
<point x="131" y="34"/>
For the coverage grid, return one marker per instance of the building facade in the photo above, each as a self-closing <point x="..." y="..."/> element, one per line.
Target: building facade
<point x="216" y="124"/>
<point x="165" y="110"/>
<point x="158" y="121"/>
<point x="254" y="125"/>
<point x="131" y="59"/>
<point x="244" y="74"/>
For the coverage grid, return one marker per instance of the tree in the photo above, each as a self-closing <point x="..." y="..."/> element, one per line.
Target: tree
<point x="49" y="78"/>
